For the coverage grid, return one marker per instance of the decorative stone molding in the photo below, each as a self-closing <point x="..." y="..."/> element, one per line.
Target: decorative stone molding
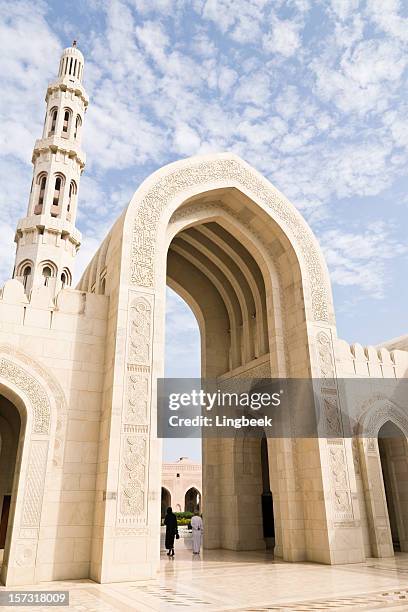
<point x="34" y="488"/>
<point x="19" y="377"/>
<point x="140" y="332"/>
<point x="52" y="387"/>
<point x="138" y="390"/>
<point x="219" y="171"/>
<point x="374" y="416"/>
<point x="133" y="476"/>
<point x="331" y="428"/>
<point x="25" y="553"/>
<point x="343" y="509"/>
<point x="331" y="424"/>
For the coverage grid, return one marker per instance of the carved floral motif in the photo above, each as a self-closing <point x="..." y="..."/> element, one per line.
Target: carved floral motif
<point x="132" y="500"/>
<point x="140" y="326"/>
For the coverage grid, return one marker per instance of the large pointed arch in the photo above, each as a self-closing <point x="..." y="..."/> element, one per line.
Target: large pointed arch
<point x="167" y="189"/>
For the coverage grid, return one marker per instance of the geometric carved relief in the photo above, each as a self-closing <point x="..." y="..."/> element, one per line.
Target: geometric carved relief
<point x="167" y="187"/>
<point x="33" y="495"/>
<point x="38" y="398"/>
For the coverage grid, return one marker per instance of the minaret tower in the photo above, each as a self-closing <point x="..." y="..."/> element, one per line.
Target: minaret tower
<point x="47" y="239"/>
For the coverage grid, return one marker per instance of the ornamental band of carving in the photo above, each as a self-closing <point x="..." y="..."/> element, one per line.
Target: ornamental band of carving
<point x="134" y="429"/>
<point x="133" y="476"/>
<point x="37" y="396"/>
<point x="340" y="485"/>
<point x="169" y="186"/>
<point x="34" y="487"/>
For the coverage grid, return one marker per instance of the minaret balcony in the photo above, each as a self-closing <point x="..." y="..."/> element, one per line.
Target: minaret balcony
<point x="57" y="143"/>
<point x="68" y="84"/>
<point x="53" y="224"/>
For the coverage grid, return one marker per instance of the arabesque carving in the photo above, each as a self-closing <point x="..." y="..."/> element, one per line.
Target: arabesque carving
<point x="35" y="393"/>
<point x="132" y="501"/>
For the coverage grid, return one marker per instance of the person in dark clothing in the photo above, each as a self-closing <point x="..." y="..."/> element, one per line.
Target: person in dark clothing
<point x="170" y="521"/>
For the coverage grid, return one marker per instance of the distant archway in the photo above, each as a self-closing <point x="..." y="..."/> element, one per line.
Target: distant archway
<point x="192" y="500"/>
<point x="165" y="500"/>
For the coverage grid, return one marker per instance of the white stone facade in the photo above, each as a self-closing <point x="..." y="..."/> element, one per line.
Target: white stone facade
<point x="80" y="369"/>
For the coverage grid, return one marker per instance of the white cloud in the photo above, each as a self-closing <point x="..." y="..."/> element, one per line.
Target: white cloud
<point x="343" y="8"/>
<point x="366" y="78"/>
<point x="283" y="37"/>
<point x="385" y="14"/>
<point x="186" y="139"/>
<point x="360" y="259"/>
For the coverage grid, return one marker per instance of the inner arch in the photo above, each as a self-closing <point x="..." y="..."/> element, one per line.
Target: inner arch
<point x="217" y="275"/>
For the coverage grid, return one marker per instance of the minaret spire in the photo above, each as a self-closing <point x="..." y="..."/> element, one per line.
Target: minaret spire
<point x="47" y="239"/>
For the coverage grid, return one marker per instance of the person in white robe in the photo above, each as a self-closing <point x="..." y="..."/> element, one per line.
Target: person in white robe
<point x="197" y="529"/>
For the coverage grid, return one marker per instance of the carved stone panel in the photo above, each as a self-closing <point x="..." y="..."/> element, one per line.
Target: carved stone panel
<point x="34" y="487"/>
<point x="140" y="332"/>
<point x="33" y="390"/>
<point x="133" y="478"/>
<point x="343" y="509"/>
<point x="134" y="445"/>
<point x="138" y="388"/>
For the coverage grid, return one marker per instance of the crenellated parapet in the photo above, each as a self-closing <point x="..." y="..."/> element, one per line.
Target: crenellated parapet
<point x="370" y="361"/>
<point x="70" y="310"/>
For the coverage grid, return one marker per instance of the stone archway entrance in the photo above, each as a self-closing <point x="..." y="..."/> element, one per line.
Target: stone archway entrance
<point x="249" y="267"/>
<point x="10" y="427"/>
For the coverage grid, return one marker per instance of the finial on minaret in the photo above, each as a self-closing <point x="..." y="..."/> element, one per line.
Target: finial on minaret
<point x="74" y="43"/>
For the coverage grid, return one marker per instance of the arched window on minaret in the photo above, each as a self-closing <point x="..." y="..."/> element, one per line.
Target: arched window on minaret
<point x="66" y="278"/>
<point x="47" y="273"/>
<point x="59" y="184"/>
<point x="78" y="123"/>
<point x="66" y="122"/>
<point x="42" y="182"/>
<point x="53" y="120"/>
<point x="71" y="196"/>
<point x="26" y="275"/>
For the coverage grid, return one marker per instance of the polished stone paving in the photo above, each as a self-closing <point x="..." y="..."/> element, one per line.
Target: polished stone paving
<point x="221" y="581"/>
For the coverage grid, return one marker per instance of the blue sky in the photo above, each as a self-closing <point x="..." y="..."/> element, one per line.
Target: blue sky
<point x="312" y="93"/>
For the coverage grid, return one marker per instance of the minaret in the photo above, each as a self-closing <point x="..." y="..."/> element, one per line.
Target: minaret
<point x="47" y="239"/>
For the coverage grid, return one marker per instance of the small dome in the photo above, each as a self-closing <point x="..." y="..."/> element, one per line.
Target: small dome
<point x="72" y="63"/>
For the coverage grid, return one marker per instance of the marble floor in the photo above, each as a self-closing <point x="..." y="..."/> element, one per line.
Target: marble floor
<point x="221" y="581"/>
